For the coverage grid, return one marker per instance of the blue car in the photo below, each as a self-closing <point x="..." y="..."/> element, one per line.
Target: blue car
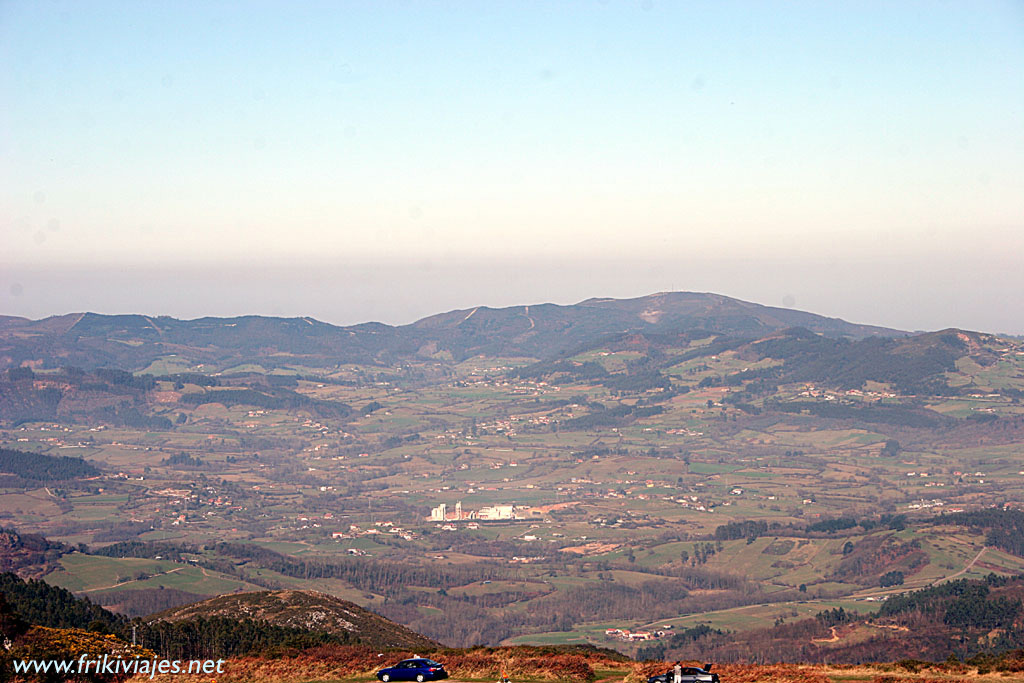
<point x="418" y="669"/>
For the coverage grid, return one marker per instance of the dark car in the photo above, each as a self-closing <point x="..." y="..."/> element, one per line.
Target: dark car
<point x="690" y="674"/>
<point x="418" y="669"/>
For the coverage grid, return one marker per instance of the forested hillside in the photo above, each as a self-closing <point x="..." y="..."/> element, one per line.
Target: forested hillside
<point x="39" y="467"/>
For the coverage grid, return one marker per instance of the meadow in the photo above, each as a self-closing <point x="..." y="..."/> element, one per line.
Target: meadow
<point x="616" y="491"/>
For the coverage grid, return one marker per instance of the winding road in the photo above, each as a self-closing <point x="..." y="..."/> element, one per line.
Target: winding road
<point x="962" y="571"/>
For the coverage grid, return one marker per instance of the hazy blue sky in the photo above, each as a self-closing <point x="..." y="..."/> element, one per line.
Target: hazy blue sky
<point x="387" y="160"/>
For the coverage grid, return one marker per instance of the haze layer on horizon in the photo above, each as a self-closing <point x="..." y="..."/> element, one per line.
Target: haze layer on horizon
<point x="389" y="160"/>
<point x="874" y="291"/>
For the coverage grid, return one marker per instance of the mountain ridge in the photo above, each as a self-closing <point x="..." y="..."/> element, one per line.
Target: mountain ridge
<point x="535" y="330"/>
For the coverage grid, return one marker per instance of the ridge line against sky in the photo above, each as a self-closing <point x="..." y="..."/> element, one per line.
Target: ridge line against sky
<point x="521" y="305"/>
<point x="408" y="310"/>
<point x="865" y="159"/>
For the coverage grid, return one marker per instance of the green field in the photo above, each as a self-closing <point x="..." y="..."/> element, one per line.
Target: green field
<point x="618" y="491"/>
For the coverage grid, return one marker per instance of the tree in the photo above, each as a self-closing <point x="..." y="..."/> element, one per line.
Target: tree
<point x="894" y="578"/>
<point x="16" y="374"/>
<point x="11" y="625"/>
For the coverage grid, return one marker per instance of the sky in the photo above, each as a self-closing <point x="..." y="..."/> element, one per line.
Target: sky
<point x="387" y="160"/>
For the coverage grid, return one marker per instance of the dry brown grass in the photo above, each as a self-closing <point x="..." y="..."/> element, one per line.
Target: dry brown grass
<point x="938" y="673"/>
<point x="332" y="662"/>
<point x="525" y="664"/>
<point x="776" y="673"/>
<point x="738" y="673"/>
